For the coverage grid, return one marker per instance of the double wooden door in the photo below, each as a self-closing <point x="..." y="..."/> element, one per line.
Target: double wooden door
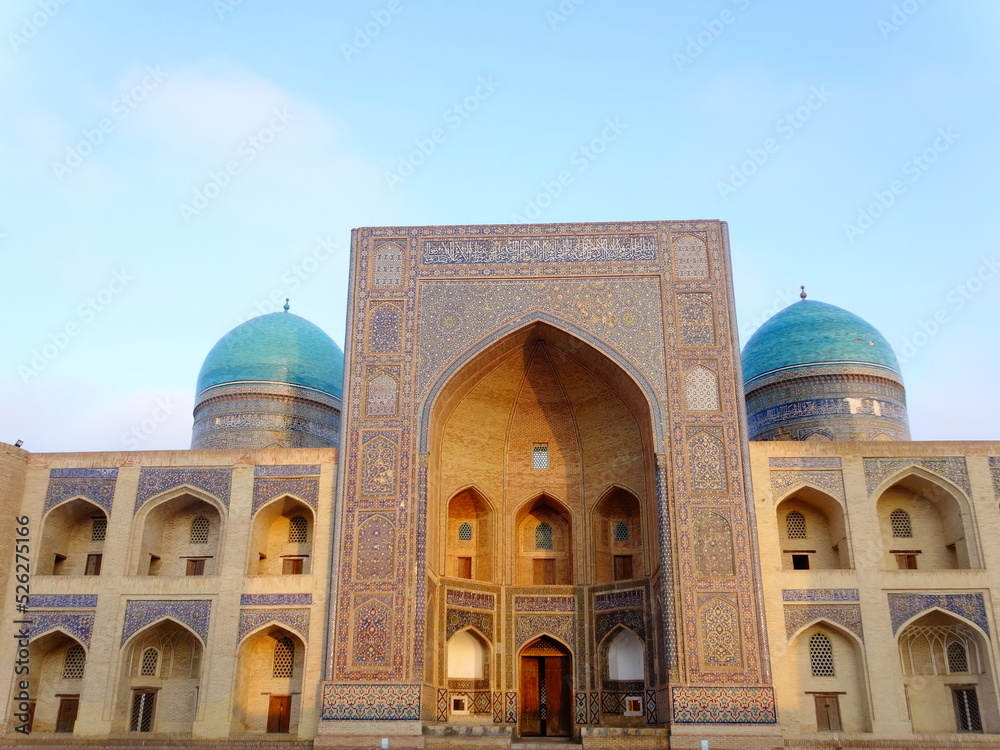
<point x="545" y="696"/>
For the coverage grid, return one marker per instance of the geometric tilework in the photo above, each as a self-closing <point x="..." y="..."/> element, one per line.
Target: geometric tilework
<point x="994" y="462"/>
<point x="529" y="626"/>
<point x="804" y="462"/>
<point x="296" y="619"/>
<point x="100" y="491"/>
<point x="215" y="482"/>
<point x="458" y="619"/>
<point x="723" y="705"/>
<point x="690" y="258"/>
<point x="707" y="459"/>
<point x="53" y="601"/>
<point x="902" y="607"/>
<point x="620" y="248"/>
<point x="701" y="390"/>
<point x="831" y="481"/>
<point x="819" y="595"/>
<point x="649" y="706"/>
<point x="629" y="618"/>
<point x="266" y="489"/>
<point x="847" y="615"/>
<point x="78" y="624"/>
<point x="953" y="468"/>
<point x="718" y="621"/>
<point x="713" y="544"/>
<point x="371" y="702"/>
<point x="193" y="613"/>
<point x="580" y="708"/>
<point x="442" y="704"/>
<point x="387" y="266"/>
<point x="696" y="320"/>
<point x="307" y="470"/>
<point x="996" y="482"/>
<point x="274" y="600"/>
<point x="108" y="473"/>
<point x="510" y="708"/>
<point x="373" y="630"/>
<point x="378" y="467"/>
<point x="385" y="328"/>
<point x="595" y="708"/>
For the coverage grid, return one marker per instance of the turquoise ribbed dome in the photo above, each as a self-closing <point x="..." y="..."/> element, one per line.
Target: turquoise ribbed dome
<point x="275" y="348"/>
<point x="810" y="333"/>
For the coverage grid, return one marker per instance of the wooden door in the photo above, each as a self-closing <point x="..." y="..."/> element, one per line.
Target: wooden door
<point x="827" y="713"/>
<point x="66" y="718"/>
<point x="279" y="714"/>
<point x="557" y="696"/>
<point x="530" y="718"/>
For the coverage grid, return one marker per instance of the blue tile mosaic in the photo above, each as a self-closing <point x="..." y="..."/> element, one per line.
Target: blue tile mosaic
<point x="275" y="600"/>
<point x="109" y="473"/>
<point x="804" y="462"/>
<point x="305" y="470"/>
<point x="819" y="595"/>
<point x="152" y="482"/>
<point x="902" y="607"/>
<point x="71" y="601"/>
<point x="78" y="624"/>
<point x="194" y="613"/>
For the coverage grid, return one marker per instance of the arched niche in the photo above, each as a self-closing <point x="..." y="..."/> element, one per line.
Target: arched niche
<point x="268" y="695"/>
<point x="178" y="534"/>
<point x="622" y="668"/>
<point x="470" y="536"/>
<point x="281" y="542"/>
<point x="812" y="530"/>
<point x="933" y="527"/>
<point x="58" y="664"/>
<point x="159" y="680"/>
<point x="544" y="538"/>
<point x="618" y="537"/>
<point x="73" y="535"/>
<point x="832" y="688"/>
<point x="947" y="668"/>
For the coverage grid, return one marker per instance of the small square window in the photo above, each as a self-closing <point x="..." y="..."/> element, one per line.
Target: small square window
<point x="800" y="562"/>
<point x="196" y="567"/>
<point x="291" y="566"/>
<point x="540" y="456"/>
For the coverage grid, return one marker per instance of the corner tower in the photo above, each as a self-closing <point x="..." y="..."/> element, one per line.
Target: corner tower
<point x="274" y="381"/>
<point x="815" y="371"/>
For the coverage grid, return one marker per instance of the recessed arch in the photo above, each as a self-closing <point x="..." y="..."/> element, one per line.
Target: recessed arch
<point x="834" y="697"/>
<point x="267" y="689"/>
<point x="55" y="678"/>
<point x="823" y="541"/>
<point x="70" y="538"/>
<point x="272" y="549"/>
<point x="470" y="535"/>
<point x="162" y="542"/>
<point x="551" y="563"/>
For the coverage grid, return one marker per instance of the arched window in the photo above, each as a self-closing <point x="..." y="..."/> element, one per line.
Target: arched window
<point x="621" y="532"/>
<point x="297" y="529"/>
<point x="465" y="532"/>
<point x="284" y="657"/>
<point x="821" y="655"/>
<point x="900" y="521"/>
<point x="543" y="536"/>
<point x="958" y="657"/>
<point x="795" y="525"/>
<point x="150" y="662"/>
<point x="199" y="530"/>
<point x="75" y="661"/>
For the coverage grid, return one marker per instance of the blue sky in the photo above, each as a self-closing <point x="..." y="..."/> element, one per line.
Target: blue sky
<point x="172" y="169"/>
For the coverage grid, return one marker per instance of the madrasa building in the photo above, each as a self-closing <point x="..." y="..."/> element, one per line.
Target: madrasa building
<point x="542" y="498"/>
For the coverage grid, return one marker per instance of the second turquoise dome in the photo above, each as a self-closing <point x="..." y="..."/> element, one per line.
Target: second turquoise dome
<point x="275" y="348"/>
<point x="810" y="333"/>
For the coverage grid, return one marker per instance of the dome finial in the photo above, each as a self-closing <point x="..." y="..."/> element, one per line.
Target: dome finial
<point x="285" y="308"/>
<point x="802" y="294"/>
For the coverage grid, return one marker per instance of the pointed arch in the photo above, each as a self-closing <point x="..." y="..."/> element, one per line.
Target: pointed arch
<point x="272" y="550"/>
<point x="826" y="623"/>
<point x="825" y="528"/>
<point x="162" y="542"/>
<point x="479" y="353"/>
<point x="270" y="625"/>
<point x="68" y="540"/>
<point x="131" y="640"/>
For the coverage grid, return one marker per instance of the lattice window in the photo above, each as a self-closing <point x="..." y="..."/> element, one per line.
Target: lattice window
<point x="621" y="532"/>
<point x="967" y="708"/>
<point x="75" y="661"/>
<point x="821" y="655"/>
<point x="540" y="457"/>
<point x="900" y="522"/>
<point x="795" y="525"/>
<point x="465" y="532"/>
<point x="284" y="657"/>
<point x="143" y="702"/>
<point x="99" y="530"/>
<point x="958" y="657"/>
<point x="199" y="530"/>
<point x="297" y="529"/>
<point x="150" y="663"/>
<point x="543" y="536"/>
